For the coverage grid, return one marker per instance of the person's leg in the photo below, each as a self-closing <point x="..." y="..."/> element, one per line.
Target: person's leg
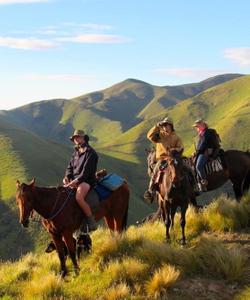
<point x="150" y="192"/>
<point x="200" y="166"/>
<point x="81" y="193"/>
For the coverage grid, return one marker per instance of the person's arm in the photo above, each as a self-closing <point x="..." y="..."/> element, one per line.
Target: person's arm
<point x="89" y="167"/>
<point x="154" y="134"/>
<point x="69" y="170"/>
<point x="178" y="145"/>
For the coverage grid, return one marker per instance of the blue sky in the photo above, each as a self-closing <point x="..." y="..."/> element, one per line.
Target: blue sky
<point x="66" y="48"/>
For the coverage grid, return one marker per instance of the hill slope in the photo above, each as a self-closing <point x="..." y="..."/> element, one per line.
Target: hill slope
<point x="108" y="113"/>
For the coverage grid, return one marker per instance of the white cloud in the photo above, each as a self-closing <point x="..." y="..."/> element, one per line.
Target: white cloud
<point x="59" y="77"/>
<point x="239" y="55"/>
<point x="189" y="73"/>
<point x="27" y="43"/>
<point x="88" y="26"/>
<point x="6" y="2"/>
<point x="95" y="39"/>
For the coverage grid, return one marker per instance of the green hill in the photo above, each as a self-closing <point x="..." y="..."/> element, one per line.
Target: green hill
<point x="33" y="138"/>
<point x="108" y="113"/>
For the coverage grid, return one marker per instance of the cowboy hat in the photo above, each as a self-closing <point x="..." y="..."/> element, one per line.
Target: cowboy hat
<point x="198" y="122"/>
<point x="77" y="132"/>
<point x="167" y="120"/>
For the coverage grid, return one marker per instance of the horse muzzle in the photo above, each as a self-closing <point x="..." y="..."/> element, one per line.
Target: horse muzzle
<point x="25" y="223"/>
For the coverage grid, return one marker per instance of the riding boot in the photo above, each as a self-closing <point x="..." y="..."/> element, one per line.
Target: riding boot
<point x="149" y="196"/>
<point x="203" y="185"/>
<point x="91" y="223"/>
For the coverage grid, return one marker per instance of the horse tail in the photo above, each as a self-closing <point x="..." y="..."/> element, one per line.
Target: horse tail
<point x="125" y="220"/>
<point x="125" y="217"/>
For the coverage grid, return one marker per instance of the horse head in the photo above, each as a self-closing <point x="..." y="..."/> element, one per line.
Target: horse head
<point x="24" y="199"/>
<point x="175" y="166"/>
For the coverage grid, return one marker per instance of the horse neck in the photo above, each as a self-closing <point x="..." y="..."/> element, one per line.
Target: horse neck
<point x="44" y="201"/>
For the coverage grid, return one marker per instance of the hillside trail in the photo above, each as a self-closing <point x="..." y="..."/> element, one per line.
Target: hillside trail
<point x="200" y="288"/>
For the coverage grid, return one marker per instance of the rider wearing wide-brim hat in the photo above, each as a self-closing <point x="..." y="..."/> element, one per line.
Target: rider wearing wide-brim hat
<point x="167" y="143"/>
<point x="80" y="173"/>
<point x="208" y="144"/>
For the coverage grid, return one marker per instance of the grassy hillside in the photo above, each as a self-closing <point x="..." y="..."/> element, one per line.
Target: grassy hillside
<point x="108" y="113"/>
<point x="140" y="265"/>
<point x="226" y="107"/>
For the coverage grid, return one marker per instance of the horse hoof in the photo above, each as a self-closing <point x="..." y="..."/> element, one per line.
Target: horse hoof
<point x="63" y="274"/>
<point x="77" y="271"/>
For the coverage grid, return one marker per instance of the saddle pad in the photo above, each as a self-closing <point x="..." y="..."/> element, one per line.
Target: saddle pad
<point x="102" y="192"/>
<point x="213" y="166"/>
<point x="111" y="181"/>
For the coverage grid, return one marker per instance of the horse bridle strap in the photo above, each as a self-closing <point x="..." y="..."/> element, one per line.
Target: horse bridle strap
<point x="62" y="206"/>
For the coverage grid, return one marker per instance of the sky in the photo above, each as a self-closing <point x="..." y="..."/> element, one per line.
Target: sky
<point x="65" y="48"/>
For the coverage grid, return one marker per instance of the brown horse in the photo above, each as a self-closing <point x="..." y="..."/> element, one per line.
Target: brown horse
<point x="237" y="170"/>
<point x="175" y="191"/>
<point x="62" y="215"/>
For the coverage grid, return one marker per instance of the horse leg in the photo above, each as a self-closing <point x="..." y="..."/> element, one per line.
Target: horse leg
<point x="60" y="251"/>
<point x="71" y="246"/>
<point x="109" y="220"/>
<point x="173" y="211"/>
<point x="183" y="223"/>
<point x="238" y="189"/>
<point x="167" y="222"/>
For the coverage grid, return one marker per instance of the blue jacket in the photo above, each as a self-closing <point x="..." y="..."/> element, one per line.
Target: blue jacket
<point x="83" y="165"/>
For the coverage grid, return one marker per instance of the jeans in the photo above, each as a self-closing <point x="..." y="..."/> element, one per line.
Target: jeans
<point x="200" y="165"/>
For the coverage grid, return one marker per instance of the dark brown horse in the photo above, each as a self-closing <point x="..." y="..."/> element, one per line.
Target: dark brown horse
<point x="62" y="215"/>
<point x="237" y="170"/>
<point x="175" y="191"/>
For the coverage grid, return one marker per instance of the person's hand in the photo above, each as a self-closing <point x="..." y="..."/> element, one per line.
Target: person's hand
<point x="159" y="124"/>
<point x="73" y="184"/>
<point x="65" y="181"/>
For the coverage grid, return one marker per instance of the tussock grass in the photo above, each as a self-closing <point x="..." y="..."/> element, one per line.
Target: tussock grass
<point x="45" y="287"/>
<point x="162" y="280"/>
<point x="119" y="291"/>
<point x="139" y="264"/>
<point x="244" y="295"/>
<point x="213" y="258"/>
<point x="129" y="270"/>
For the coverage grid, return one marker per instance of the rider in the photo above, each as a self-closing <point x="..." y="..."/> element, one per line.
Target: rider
<point x="167" y="143"/>
<point x="208" y="145"/>
<point x="80" y="173"/>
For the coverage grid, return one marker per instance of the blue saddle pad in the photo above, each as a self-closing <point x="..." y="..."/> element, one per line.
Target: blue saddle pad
<point x="102" y="192"/>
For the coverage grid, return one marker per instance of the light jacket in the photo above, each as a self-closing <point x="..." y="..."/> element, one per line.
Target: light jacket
<point x="165" y="142"/>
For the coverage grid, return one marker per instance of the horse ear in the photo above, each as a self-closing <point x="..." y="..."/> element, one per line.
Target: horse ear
<point x="32" y="183"/>
<point x="18" y="184"/>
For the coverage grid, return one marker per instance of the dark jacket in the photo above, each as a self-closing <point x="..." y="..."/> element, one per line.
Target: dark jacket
<point x="208" y="139"/>
<point x="83" y="165"/>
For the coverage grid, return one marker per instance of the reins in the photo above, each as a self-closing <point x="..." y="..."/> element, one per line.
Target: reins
<point x="62" y="206"/>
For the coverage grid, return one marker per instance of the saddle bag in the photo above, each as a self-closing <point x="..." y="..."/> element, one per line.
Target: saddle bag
<point x="111" y="181"/>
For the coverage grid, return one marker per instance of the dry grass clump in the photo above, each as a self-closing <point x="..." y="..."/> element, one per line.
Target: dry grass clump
<point x="129" y="270"/>
<point x="225" y="214"/>
<point x="214" y="259"/>
<point x="119" y="291"/>
<point x="45" y="287"/>
<point x="162" y="280"/>
<point x="244" y="295"/>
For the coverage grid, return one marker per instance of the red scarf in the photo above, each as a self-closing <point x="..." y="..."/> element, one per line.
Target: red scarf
<point x="201" y="131"/>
